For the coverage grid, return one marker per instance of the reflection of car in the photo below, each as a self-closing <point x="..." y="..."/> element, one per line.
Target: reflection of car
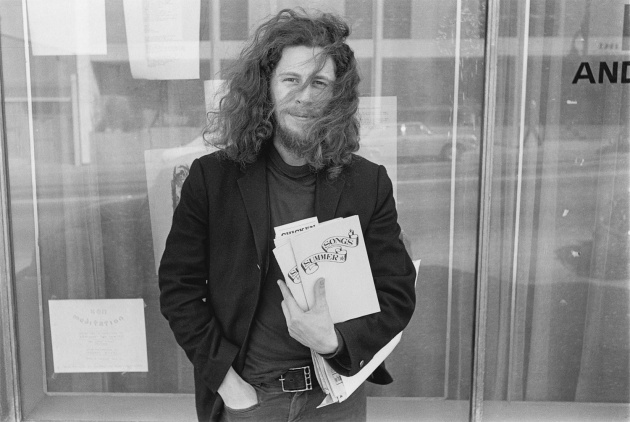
<point x="416" y="139"/>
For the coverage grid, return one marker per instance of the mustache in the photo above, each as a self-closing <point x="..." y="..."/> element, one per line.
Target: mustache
<point x="312" y="112"/>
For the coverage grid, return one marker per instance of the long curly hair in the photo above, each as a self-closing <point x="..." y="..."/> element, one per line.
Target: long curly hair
<point x="245" y="122"/>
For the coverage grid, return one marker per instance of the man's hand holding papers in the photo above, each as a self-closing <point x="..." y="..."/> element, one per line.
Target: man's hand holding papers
<point x="313" y="328"/>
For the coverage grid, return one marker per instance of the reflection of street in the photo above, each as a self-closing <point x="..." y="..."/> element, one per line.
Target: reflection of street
<point x="418" y="142"/>
<point x="424" y="197"/>
<point x="425" y="194"/>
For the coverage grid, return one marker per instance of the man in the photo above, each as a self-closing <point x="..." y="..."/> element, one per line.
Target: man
<point x="288" y="129"/>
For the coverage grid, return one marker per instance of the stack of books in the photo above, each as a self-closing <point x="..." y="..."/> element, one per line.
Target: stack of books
<point x="335" y="250"/>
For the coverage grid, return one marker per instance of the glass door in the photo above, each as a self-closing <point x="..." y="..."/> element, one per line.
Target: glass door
<point x="558" y="323"/>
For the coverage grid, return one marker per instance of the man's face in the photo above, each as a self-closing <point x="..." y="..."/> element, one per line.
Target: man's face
<point x="300" y="89"/>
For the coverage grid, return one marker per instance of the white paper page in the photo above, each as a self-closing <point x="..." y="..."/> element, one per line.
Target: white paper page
<point x="295" y="229"/>
<point x="337" y="387"/>
<point x="284" y="232"/>
<point x="352" y="383"/>
<point x="286" y="262"/>
<point x="67" y="27"/>
<point x="416" y="265"/>
<point x="166" y="170"/>
<point x="319" y="365"/>
<point x="100" y="335"/>
<point x="379" y="132"/>
<point x="163" y="38"/>
<point x="336" y="251"/>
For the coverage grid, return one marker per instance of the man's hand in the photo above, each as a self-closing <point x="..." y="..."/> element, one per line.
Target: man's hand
<point x="313" y="328"/>
<point x="236" y="393"/>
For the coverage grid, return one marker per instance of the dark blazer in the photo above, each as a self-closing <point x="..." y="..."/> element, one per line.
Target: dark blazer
<point x="216" y="258"/>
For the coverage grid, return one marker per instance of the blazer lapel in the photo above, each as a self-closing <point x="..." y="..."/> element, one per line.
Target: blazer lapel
<point x="253" y="187"/>
<point x="327" y="194"/>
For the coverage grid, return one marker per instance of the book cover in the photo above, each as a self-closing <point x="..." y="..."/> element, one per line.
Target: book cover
<point x="286" y="262"/>
<point x="336" y="251"/>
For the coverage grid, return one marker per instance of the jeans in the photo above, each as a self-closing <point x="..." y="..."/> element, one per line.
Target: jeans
<point x="274" y="405"/>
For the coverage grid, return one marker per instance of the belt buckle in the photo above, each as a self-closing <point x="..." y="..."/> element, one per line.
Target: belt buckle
<point x="306" y="371"/>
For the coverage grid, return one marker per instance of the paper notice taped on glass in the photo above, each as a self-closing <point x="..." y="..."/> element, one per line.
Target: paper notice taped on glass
<point x="98" y="335"/>
<point x="163" y="38"/>
<point x="67" y="27"/>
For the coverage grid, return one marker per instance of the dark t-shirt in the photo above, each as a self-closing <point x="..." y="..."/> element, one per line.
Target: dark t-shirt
<point x="271" y="350"/>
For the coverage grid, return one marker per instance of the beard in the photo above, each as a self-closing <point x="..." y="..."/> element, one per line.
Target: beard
<point x="298" y="143"/>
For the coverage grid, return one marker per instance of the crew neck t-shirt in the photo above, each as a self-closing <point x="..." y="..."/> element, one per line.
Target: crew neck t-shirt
<point x="271" y="350"/>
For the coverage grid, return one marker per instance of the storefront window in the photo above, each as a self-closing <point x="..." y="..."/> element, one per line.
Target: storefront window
<point x="101" y="127"/>
<point x="90" y="222"/>
<point x="558" y="306"/>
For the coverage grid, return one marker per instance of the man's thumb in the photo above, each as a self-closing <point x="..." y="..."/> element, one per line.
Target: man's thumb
<point x="320" y="290"/>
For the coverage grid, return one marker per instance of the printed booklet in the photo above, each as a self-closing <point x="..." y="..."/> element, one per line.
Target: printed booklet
<point x="335" y="250"/>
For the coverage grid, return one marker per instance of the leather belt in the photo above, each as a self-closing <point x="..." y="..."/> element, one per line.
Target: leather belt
<point x="297" y="379"/>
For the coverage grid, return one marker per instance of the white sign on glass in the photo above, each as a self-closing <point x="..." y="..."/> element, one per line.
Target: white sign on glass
<point x="67" y="27"/>
<point x="98" y="335"/>
<point x="163" y="38"/>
